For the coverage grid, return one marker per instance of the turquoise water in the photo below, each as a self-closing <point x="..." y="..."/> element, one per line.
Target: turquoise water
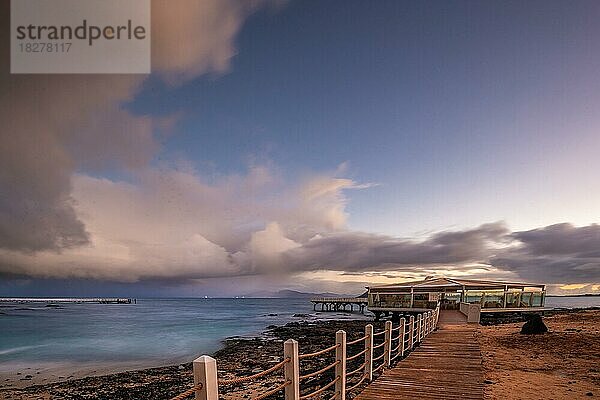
<point x="150" y="333"/>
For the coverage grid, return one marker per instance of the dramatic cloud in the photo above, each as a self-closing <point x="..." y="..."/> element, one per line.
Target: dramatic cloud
<point x="363" y="251"/>
<point x="171" y="223"/>
<point x="54" y="125"/>
<point x="560" y="253"/>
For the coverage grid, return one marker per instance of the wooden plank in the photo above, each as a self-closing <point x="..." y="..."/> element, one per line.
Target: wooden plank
<point x="447" y="365"/>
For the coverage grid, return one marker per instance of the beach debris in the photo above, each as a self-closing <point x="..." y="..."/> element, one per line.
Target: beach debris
<point x="534" y="326"/>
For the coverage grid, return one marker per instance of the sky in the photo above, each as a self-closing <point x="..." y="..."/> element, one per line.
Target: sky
<point x="314" y="146"/>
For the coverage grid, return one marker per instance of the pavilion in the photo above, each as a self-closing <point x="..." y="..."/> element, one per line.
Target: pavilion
<point x="449" y="293"/>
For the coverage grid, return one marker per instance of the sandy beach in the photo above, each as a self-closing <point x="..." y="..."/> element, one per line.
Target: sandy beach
<point x="561" y="364"/>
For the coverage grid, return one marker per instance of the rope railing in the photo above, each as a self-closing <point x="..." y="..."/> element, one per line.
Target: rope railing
<point x="351" y="388"/>
<point x="357" y="354"/>
<point x="318" y="353"/>
<point x="321" y="390"/>
<point x="255" y="376"/>
<point x="357" y="370"/>
<point x="327" y="368"/>
<point x="273" y="391"/>
<point x="188" y="392"/>
<point x="361" y="339"/>
<point x="380" y="345"/>
<point x="398" y="341"/>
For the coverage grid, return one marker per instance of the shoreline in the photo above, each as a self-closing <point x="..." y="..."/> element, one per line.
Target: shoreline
<point x="238" y="356"/>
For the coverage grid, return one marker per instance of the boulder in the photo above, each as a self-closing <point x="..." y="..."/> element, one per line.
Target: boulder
<point x="534" y="326"/>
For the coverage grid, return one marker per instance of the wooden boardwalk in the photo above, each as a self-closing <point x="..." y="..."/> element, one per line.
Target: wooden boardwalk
<point x="447" y="365"/>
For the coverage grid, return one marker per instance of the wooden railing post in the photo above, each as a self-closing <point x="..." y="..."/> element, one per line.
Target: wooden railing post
<point x="205" y="373"/>
<point x="411" y="335"/>
<point x="369" y="352"/>
<point x="419" y="320"/>
<point x="340" y="368"/>
<point x="291" y="370"/>
<point x="402" y="333"/>
<point x="387" y="347"/>
<point x="427" y="321"/>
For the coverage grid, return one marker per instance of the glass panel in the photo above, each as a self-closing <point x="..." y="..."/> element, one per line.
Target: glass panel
<point x="473" y="297"/>
<point x="512" y="299"/>
<point x="537" y="299"/>
<point x="493" y="300"/>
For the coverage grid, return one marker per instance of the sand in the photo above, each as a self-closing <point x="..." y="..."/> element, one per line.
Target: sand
<point x="561" y="364"/>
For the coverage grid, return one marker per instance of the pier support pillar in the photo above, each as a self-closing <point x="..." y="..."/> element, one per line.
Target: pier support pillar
<point x="205" y="373"/>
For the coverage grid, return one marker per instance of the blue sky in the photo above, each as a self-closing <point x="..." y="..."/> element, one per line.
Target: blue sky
<point x="462" y="108"/>
<point x="285" y="134"/>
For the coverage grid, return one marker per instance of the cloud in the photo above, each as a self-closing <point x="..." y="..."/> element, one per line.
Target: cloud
<point x="54" y="125"/>
<point x="171" y="223"/>
<point x="352" y="251"/>
<point x="560" y="253"/>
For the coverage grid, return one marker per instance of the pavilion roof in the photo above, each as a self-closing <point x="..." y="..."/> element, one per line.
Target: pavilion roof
<point x="452" y="283"/>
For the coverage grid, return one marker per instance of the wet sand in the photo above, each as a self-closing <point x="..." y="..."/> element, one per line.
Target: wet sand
<point x="561" y="364"/>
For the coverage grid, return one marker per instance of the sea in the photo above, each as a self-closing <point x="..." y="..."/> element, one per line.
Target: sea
<point x="154" y="332"/>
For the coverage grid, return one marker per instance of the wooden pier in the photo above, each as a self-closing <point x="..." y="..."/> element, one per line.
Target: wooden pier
<point x="445" y="366"/>
<point x="340" y="303"/>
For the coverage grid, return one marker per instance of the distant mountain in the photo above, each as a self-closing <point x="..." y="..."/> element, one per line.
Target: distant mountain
<point x="291" y="294"/>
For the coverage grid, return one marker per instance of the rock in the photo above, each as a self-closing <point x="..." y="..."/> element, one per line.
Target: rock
<point x="180" y="367"/>
<point x="590" y="394"/>
<point x="488" y="382"/>
<point x="301" y="315"/>
<point x="534" y="326"/>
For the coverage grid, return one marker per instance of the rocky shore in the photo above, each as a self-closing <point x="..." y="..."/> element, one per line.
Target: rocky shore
<point x="238" y="357"/>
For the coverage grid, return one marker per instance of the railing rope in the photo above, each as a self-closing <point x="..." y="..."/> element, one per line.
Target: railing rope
<point x="291" y="370"/>
<point x="340" y="368"/>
